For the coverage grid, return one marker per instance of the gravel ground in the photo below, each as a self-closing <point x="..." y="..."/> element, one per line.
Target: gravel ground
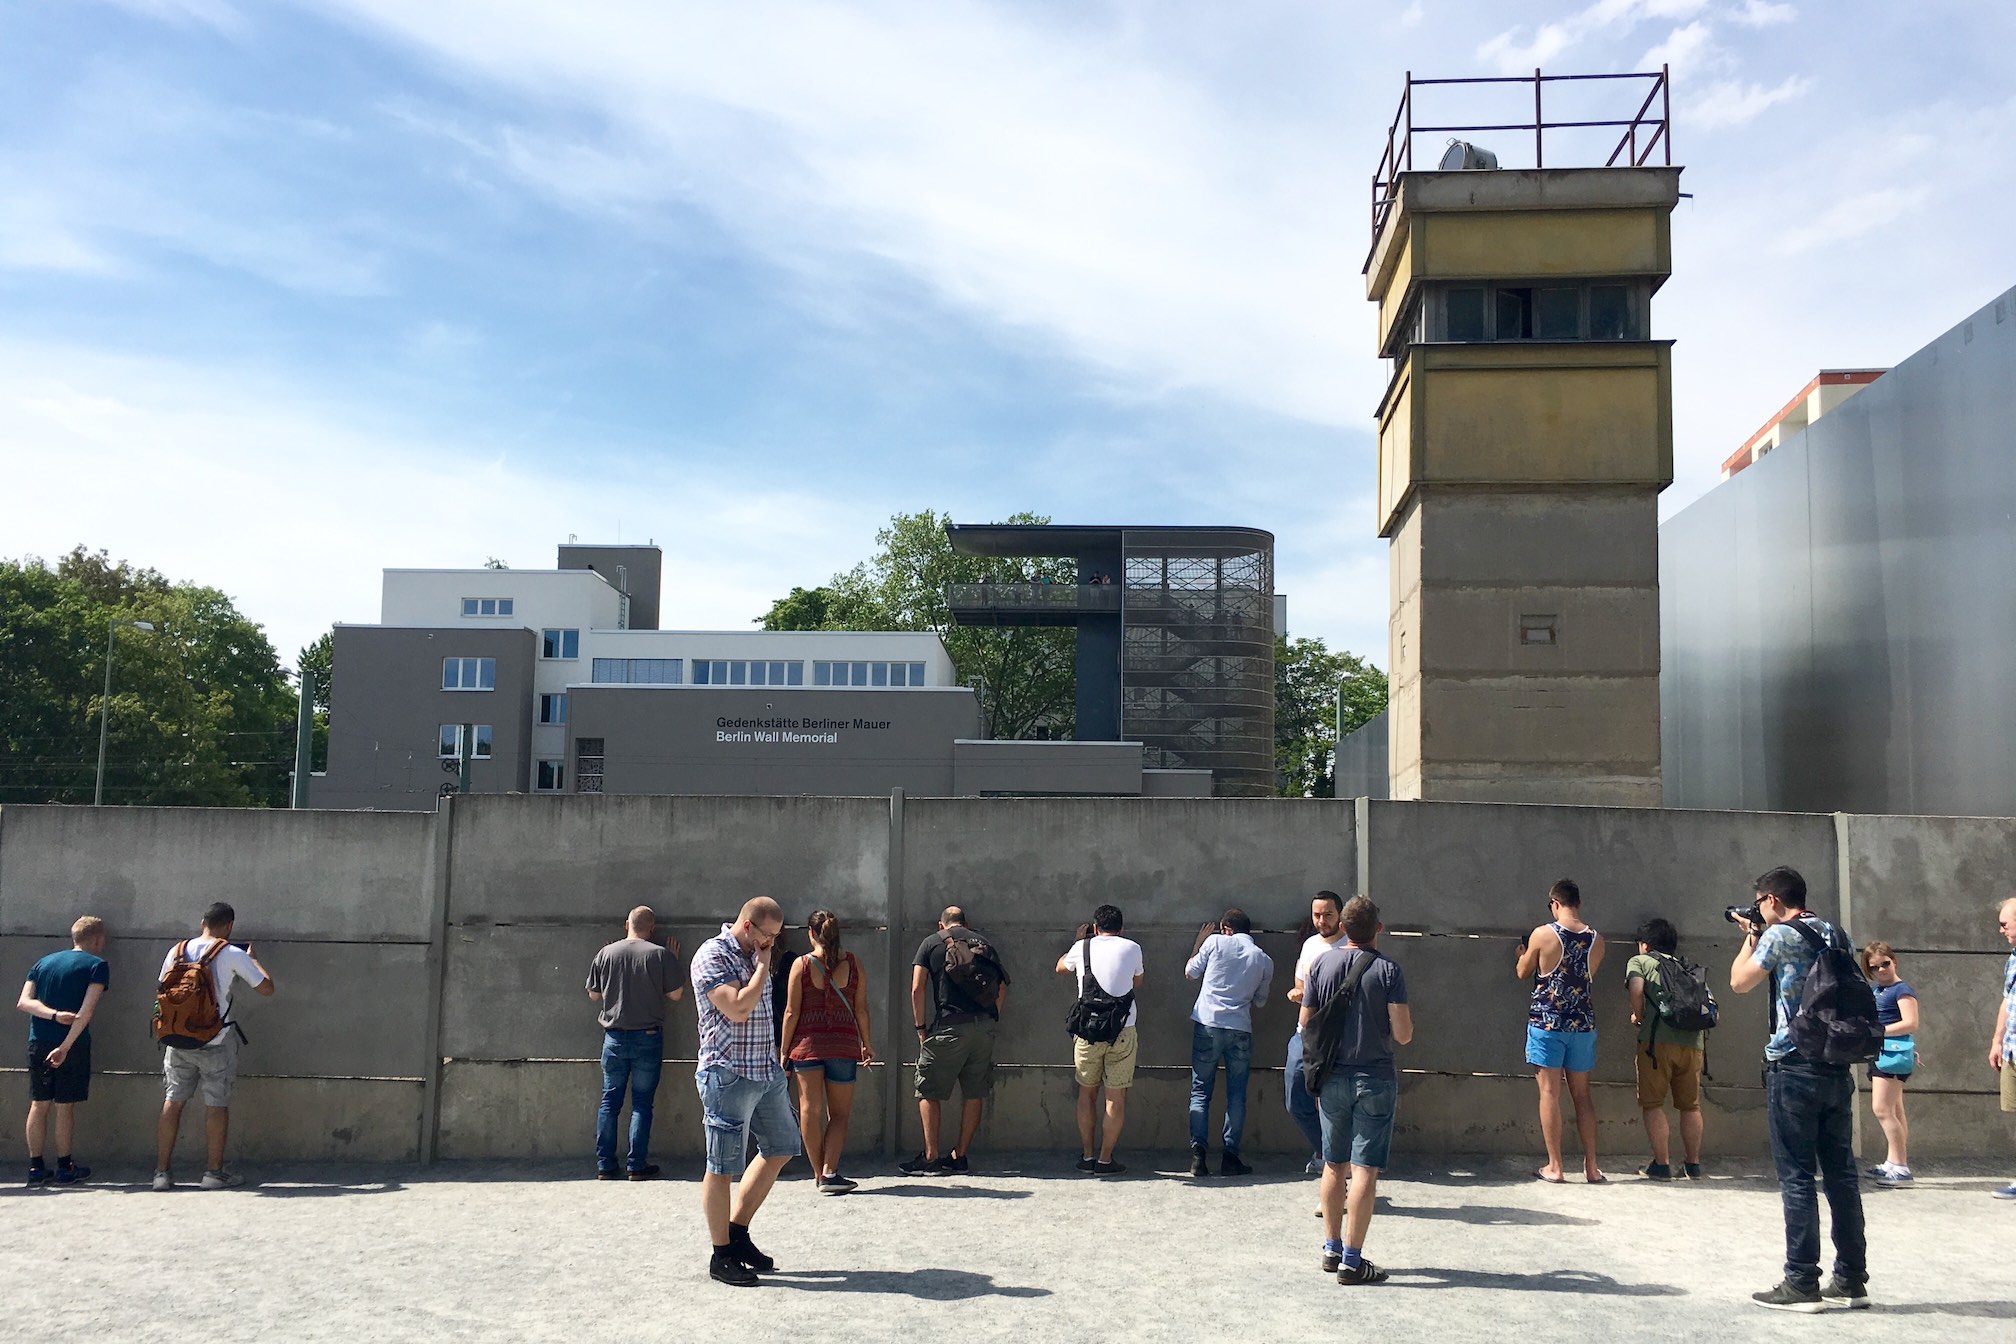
<point x="1026" y="1247"/>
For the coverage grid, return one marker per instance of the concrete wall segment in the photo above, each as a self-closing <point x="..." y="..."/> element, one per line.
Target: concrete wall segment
<point x="1930" y="883"/>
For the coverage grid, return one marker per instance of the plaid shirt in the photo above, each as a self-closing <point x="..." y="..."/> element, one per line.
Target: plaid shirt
<point x="749" y="1049"/>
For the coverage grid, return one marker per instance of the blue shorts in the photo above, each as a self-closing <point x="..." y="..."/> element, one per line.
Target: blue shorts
<point x="837" y="1070"/>
<point x="1574" y="1051"/>
<point x="1357" y="1109"/>
<point x="733" y="1106"/>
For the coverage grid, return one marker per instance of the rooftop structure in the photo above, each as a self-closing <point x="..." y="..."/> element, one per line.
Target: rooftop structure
<point x="1829" y="388"/>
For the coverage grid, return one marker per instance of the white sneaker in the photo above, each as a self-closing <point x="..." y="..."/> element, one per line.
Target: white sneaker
<point x="163" y="1181"/>
<point x="222" y="1180"/>
<point x="1889" y="1175"/>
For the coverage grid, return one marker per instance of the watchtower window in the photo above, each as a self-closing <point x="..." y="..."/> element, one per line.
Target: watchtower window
<point x="1510" y="311"/>
<point x="1465" y="315"/>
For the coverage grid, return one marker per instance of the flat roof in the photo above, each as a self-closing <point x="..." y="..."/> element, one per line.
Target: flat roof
<point x="1028" y="540"/>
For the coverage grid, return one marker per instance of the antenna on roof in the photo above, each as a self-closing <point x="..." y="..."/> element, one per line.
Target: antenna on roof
<point x="573" y="537"/>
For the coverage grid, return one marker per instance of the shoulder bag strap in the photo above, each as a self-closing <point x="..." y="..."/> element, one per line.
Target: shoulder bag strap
<point x="1085" y="966"/>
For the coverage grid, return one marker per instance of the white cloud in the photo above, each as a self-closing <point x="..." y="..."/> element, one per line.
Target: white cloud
<point x="1731" y="102"/>
<point x="1763" y="14"/>
<point x="1851" y="218"/>
<point x="1682" y="47"/>
<point x="217" y="14"/>
<point x="1514" y="52"/>
<point x="1411" y="16"/>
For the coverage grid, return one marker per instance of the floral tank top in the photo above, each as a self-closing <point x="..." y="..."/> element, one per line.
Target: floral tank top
<point x="1561" y="997"/>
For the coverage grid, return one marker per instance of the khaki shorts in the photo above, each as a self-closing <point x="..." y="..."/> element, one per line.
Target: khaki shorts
<point x="214" y="1068"/>
<point x="1674" y="1068"/>
<point x="1107" y="1063"/>
<point x="2009" y="1087"/>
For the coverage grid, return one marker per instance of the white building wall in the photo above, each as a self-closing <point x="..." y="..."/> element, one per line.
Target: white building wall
<point x="804" y="646"/>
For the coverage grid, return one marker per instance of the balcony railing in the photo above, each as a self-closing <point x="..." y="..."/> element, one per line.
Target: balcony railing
<point x="1029" y="603"/>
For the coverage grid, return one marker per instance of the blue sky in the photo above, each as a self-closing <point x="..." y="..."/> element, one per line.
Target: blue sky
<point x="291" y="292"/>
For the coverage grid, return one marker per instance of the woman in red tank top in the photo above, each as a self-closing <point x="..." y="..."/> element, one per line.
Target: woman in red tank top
<point x="825" y="1042"/>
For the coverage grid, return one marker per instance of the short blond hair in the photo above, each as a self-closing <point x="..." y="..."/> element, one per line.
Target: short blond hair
<point x="87" y="926"/>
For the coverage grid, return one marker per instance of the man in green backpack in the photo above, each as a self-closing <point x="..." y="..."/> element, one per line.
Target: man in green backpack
<point x="1670" y="1060"/>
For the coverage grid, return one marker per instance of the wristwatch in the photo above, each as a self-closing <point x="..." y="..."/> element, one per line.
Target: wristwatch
<point x="921" y="1028"/>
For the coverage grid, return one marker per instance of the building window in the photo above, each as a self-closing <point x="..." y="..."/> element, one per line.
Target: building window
<point x="486" y="606"/>
<point x="1556" y="312"/>
<point x="450" y="748"/>
<point x="637" y="671"/>
<point x="867" y="674"/>
<point x="553" y="708"/>
<point x="588" y="760"/>
<point x="1541" y="630"/>
<point x="468" y="674"/>
<point x="551" y="774"/>
<point x="560" y="644"/>
<point x="746" y="672"/>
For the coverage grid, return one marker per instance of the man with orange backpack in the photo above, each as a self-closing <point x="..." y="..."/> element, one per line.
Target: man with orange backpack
<point x="192" y="1020"/>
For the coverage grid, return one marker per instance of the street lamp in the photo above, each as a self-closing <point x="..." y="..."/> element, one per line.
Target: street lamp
<point x="105" y="704"/>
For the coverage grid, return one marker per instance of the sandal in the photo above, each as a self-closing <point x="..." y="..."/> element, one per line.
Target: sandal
<point x="1540" y="1174"/>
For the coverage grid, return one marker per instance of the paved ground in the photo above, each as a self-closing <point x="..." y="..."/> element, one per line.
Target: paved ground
<point x="1022" y="1249"/>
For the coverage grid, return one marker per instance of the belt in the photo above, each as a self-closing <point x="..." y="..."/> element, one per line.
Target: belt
<point x="954" y="1019"/>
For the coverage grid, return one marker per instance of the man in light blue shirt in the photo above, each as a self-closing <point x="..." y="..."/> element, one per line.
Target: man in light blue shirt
<point x="1234" y="973"/>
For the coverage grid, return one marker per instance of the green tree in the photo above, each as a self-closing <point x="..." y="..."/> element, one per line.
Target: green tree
<point x="1025" y="677"/>
<point x="1308" y="680"/>
<point x="200" y="712"/>
<point x="320" y="659"/>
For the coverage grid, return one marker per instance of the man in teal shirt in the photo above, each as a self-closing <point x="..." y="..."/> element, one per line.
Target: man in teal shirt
<point x="60" y="997"/>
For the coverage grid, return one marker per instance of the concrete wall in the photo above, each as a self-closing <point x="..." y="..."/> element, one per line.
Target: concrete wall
<point x="430" y="967"/>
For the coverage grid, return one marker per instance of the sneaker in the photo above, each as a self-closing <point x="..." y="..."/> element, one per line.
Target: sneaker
<point x="1693" y="1170"/>
<point x="921" y="1165"/>
<point x="1198" y="1166"/>
<point x="222" y="1180"/>
<point x="1876" y="1172"/>
<point x="725" y="1268"/>
<point x="1788" y="1296"/>
<point x="163" y="1181"/>
<point x="1108" y="1168"/>
<point x="1657" y="1171"/>
<point x="835" y="1184"/>
<point x="1088" y="1165"/>
<point x="1314" y="1166"/>
<point x="608" y="1174"/>
<point x="2006" y="1192"/>
<point x="955" y="1164"/>
<point x="1840" y="1293"/>
<point x="72" y="1174"/>
<point x="1362" y="1272"/>
<point x="1332" y="1261"/>
<point x="40" y="1176"/>
<point x="1230" y="1165"/>
<point x="1894" y="1176"/>
<point x="645" y="1173"/>
<point x="745" y="1251"/>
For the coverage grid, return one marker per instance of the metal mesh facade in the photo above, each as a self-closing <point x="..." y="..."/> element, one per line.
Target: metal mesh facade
<point x="1197" y="653"/>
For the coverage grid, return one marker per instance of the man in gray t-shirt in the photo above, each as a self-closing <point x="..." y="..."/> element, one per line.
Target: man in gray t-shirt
<point x="632" y="979"/>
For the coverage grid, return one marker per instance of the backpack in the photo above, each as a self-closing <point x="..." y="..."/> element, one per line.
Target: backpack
<point x="1681" y="996"/>
<point x="1325" y="1031"/>
<point x="186" y="1014"/>
<point x="972" y="968"/>
<point x="1097" y="1017"/>
<point x="1837" y="1021"/>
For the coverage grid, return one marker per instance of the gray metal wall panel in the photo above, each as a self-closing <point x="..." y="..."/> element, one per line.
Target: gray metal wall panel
<point x="1838" y="629"/>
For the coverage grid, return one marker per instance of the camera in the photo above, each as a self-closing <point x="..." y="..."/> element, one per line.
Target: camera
<point x="1745" y="916"/>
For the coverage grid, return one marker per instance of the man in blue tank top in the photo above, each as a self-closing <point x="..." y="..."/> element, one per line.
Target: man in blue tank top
<point x="1562" y="956"/>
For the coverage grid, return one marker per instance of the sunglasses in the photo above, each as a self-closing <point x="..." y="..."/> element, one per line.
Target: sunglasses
<point x="1881" y="965"/>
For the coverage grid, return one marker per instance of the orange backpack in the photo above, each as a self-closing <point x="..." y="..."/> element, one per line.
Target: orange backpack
<point x="186" y="1015"/>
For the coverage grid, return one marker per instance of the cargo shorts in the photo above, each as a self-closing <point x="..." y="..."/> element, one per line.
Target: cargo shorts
<point x="957" y="1053"/>
<point x="214" y="1069"/>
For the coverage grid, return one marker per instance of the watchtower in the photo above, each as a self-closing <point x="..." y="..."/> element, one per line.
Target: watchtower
<point x="1524" y="437"/>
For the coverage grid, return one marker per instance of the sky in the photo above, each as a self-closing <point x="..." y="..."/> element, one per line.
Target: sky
<point x="298" y="290"/>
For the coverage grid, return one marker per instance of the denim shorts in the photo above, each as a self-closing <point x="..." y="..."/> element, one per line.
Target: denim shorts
<point x="734" y="1107"/>
<point x="1357" y="1109"/>
<point x="837" y="1070"/>
<point x="1574" y="1051"/>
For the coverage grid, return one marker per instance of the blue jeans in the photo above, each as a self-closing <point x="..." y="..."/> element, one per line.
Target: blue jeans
<point x="1811" y="1109"/>
<point x="1208" y="1045"/>
<point x="1301" y="1106"/>
<point x="736" y="1109"/>
<point x="1358" y="1107"/>
<point x="630" y="1059"/>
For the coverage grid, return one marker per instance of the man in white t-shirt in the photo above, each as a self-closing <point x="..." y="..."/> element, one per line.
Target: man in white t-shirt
<point x="1325" y="916"/>
<point x="213" y="1067"/>
<point x="1116" y="966"/>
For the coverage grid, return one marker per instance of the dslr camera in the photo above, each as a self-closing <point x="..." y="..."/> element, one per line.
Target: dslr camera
<point x="1746" y="917"/>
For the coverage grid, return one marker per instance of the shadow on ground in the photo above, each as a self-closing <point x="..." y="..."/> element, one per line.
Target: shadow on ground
<point x="919" y="1191"/>
<point x="931" y="1285"/>
<point x="1986" y="1311"/>
<point x="1485" y="1215"/>
<point x="1543" y="1281"/>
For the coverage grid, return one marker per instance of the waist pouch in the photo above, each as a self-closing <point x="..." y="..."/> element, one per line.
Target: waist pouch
<point x="1899" y="1055"/>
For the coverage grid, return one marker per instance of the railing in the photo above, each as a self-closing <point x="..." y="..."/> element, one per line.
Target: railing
<point x="1657" y="130"/>
<point x="1013" y="597"/>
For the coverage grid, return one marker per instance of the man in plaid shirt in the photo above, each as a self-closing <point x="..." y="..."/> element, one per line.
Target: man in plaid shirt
<point x="741" y="1086"/>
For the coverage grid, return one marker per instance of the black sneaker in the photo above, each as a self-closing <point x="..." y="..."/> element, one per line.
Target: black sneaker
<point x="608" y="1173"/>
<point x="1088" y="1165"/>
<point x="644" y="1173"/>
<point x="1657" y="1171"/>
<point x="71" y="1174"/>
<point x="1840" y="1293"/>
<point x="40" y="1176"/>
<point x="744" y="1250"/>
<point x="1198" y="1166"/>
<point x="1693" y="1170"/>
<point x="1362" y="1272"/>
<point x="954" y="1164"/>
<point x="1789" y="1296"/>
<point x="1108" y="1168"/>
<point x="921" y="1165"/>
<point x="836" y="1184"/>
<point x="725" y="1268"/>
<point x="1332" y="1261"/>
<point x="1230" y="1165"/>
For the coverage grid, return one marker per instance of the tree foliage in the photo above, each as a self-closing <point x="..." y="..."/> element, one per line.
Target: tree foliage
<point x="1308" y="680"/>
<point x="200" y="711"/>
<point x="319" y="658"/>
<point x="1024" y="677"/>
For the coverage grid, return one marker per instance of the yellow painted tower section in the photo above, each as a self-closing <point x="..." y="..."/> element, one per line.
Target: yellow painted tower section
<point x="1524" y="437"/>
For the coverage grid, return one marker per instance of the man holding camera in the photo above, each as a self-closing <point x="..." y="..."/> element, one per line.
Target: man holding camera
<point x="1811" y="1104"/>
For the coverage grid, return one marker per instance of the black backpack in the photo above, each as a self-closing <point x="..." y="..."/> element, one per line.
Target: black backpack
<point x="972" y="968"/>
<point x="1097" y="1017"/>
<point x="1682" y="998"/>
<point x="1837" y="1021"/>
<point x="1325" y="1031"/>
